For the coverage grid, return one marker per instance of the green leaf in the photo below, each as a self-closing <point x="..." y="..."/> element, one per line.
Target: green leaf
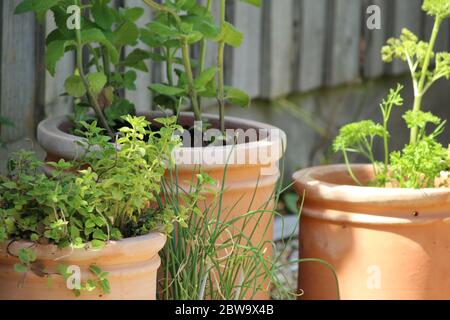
<point x="54" y="53"/>
<point x="96" y="81"/>
<point x="205" y="77"/>
<point x="103" y="15"/>
<point x="97" y="244"/>
<point x="237" y="96"/>
<point x="96" y="35"/>
<point x="256" y="3"/>
<point x="231" y="35"/>
<point x="166" y="90"/>
<point x="20" y="268"/>
<point x="135" y="59"/>
<point x="118" y="109"/>
<point x="100" y="235"/>
<point x="162" y="30"/>
<point x="133" y="14"/>
<point x="74" y="86"/>
<point x="126" y="34"/>
<point x="23" y="7"/>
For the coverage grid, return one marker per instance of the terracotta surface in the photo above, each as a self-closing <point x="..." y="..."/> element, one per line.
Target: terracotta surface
<point x="383" y="243"/>
<point x="132" y="265"/>
<point x="247" y="186"/>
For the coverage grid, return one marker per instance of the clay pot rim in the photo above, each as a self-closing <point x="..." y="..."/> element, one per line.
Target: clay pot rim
<point x="48" y="251"/>
<point x="55" y="141"/>
<point x="313" y="181"/>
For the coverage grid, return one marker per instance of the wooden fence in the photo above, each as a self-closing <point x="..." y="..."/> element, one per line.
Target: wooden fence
<point x="290" y="46"/>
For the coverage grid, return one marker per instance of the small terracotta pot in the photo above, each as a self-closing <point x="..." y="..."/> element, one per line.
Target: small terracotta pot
<point x="248" y="172"/>
<point x="383" y="243"/>
<point x="132" y="265"/>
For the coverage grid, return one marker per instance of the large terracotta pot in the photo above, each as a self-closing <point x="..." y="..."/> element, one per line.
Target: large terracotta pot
<point x="248" y="172"/>
<point x="132" y="265"/>
<point x="383" y="243"/>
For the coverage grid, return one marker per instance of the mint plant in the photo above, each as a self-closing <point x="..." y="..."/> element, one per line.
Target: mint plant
<point x="423" y="161"/>
<point x="178" y="26"/>
<point x="98" y="41"/>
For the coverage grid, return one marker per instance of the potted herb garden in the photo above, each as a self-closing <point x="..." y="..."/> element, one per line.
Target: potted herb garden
<point x="384" y="226"/>
<point x="241" y="156"/>
<point x="94" y="226"/>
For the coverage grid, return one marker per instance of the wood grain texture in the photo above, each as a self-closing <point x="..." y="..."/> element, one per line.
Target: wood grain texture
<point x="245" y="69"/>
<point x="141" y="97"/>
<point x="18" y="67"/>
<point x="374" y="40"/>
<point x="55" y="103"/>
<point x="343" y="49"/>
<point x="278" y="48"/>
<point x="312" y="31"/>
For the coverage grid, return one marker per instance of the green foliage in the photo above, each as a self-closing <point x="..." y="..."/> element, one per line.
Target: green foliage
<point x="212" y="256"/>
<point x="100" y="281"/>
<point x="437" y="8"/>
<point x="104" y="33"/>
<point x="176" y="28"/>
<point x="423" y="160"/>
<point x="112" y="192"/>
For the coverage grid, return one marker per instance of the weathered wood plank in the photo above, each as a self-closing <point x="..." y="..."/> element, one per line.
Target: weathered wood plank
<point x="55" y="104"/>
<point x="344" y="41"/>
<point x="407" y="14"/>
<point x="375" y="39"/>
<point x="278" y="48"/>
<point x="245" y="68"/>
<point x="312" y="33"/>
<point x="17" y="75"/>
<point x="141" y="97"/>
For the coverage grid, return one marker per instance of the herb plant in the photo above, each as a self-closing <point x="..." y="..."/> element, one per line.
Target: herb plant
<point x="98" y="34"/>
<point x="423" y="161"/>
<point x="177" y="28"/>
<point x="112" y="192"/>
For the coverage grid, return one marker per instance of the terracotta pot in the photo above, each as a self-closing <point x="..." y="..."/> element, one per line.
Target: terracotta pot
<point x="132" y="265"/>
<point x="251" y="168"/>
<point x="383" y="243"/>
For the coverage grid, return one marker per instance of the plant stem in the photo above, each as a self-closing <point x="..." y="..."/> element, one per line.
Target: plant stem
<point x="220" y="59"/>
<point x="190" y="79"/>
<point x="202" y="58"/>
<point x="106" y="64"/>
<point x="349" y="168"/>
<point x="91" y="97"/>
<point x="423" y="75"/>
<point x="169" y="65"/>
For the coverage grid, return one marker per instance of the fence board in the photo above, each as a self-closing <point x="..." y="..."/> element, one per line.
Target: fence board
<point x="407" y="14"/>
<point x="375" y="40"/>
<point x="278" y="48"/>
<point x="245" y="68"/>
<point x="18" y="67"/>
<point x="55" y="104"/>
<point x="343" y="42"/>
<point x="141" y="97"/>
<point x="312" y="40"/>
